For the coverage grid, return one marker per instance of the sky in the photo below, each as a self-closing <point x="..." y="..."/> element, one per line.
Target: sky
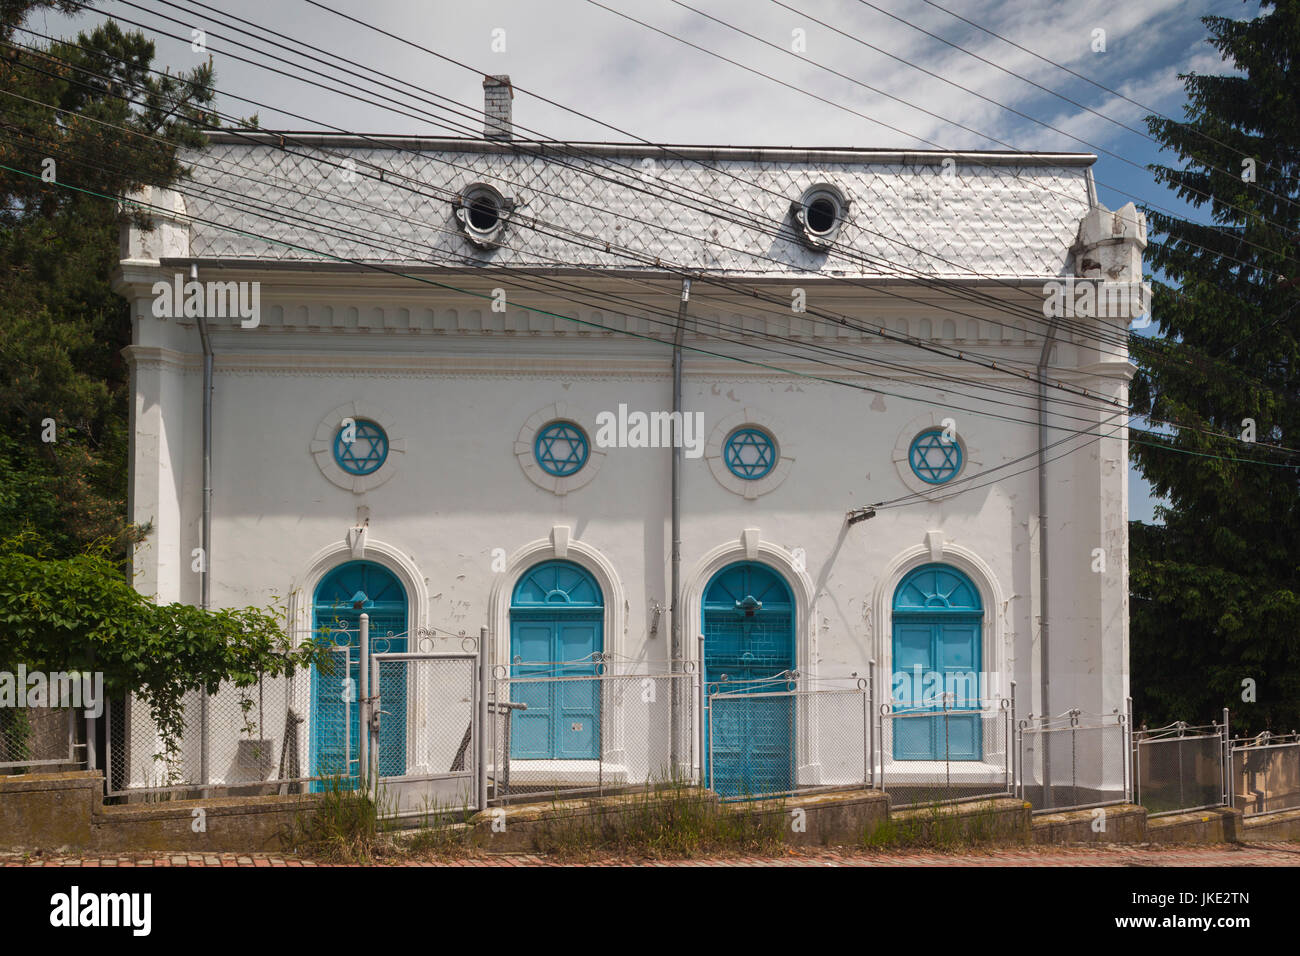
<point x="857" y="80"/>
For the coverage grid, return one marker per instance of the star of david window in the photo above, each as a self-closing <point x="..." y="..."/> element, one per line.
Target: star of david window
<point x="561" y="449"/>
<point x="934" y="459"/>
<point x="365" y="453"/>
<point x="749" y="453"/>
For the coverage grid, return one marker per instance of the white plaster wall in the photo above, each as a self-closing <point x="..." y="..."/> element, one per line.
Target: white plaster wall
<point x="458" y="399"/>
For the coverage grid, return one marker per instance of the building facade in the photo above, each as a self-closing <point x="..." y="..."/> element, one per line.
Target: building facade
<point x="448" y="388"/>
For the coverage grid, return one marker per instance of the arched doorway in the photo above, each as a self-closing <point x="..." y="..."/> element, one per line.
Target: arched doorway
<point x="557" y="616"/>
<point x="340" y="599"/>
<point x="937" y="650"/>
<point x="748" y="618"/>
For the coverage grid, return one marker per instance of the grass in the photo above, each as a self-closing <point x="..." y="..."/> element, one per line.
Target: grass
<point x="670" y="820"/>
<point x="935" y="825"/>
<point x="342" y="828"/>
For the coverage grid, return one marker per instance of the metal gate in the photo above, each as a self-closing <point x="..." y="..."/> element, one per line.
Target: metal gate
<point x="425" y="732"/>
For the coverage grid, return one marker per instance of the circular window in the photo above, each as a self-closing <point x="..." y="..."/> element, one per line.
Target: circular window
<point x="561" y="449"/>
<point x="361" y="447"/>
<point x="749" y="453"/>
<point x="934" y="458"/>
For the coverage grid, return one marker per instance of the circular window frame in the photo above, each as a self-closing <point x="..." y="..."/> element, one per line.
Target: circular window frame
<point x="327" y="432"/>
<point x="526" y="443"/>
<point x="715" y="453"/>
<point x="582" y="434"/>
<point x="727" y="447"/>
<point x="471" y="198"/>
<point x="801" y="212"/>
<point x="911" y="457"/>
<point x="358" y="424"/>
<point x="972" y="459"/>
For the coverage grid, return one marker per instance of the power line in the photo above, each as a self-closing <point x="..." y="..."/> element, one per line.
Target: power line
<point x="849" y="109"/>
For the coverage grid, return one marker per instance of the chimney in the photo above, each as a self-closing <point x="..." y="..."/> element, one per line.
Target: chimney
<point x="497" y="94"/>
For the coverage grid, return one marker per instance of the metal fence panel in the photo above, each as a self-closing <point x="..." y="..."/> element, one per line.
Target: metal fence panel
<point x="424" y="732"/>
<point x="778" y="742"/>
<point x="946" y="754"/>
<point x="1266" y="774"/>
<point x="1181" y="768"/>
<point x="1074" y="763"/>
<point x="591" y="733"/>
<point x="41" y="738"/>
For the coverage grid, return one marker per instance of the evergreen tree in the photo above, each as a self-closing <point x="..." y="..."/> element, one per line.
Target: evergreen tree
<point x="89" y="113"/>
<point x="1216" y="590"/>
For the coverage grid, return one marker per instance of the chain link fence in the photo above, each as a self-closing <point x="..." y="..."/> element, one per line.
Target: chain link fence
<point x="1266" y="773"/>
<point x="295" y="732"/>
<point x="45" y="739"/>
<point x="765" y="742"/>
<point x="424" y="732"/>
<point x="939" y="752"/>
<point x="602" y="732"/>
<point x="1074" y="762"/>
<point x="1180" y="768"/>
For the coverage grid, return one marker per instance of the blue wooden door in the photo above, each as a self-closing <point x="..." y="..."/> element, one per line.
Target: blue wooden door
<point x="937" y="644"/>
<point x="341" y="598"/>
<point x="749" y="638"/>
<point x="556" y="628"/>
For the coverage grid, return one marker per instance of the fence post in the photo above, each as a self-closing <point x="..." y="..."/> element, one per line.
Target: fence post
<point x="1013" y="755"/>
<point x="703" y="728"/>
<point x="871" y="724"/>
<point x="363" y="703"/>
<point x="1225" y="762"/>
<point x="480" y="743"/>
<point x="1126" y="744"/>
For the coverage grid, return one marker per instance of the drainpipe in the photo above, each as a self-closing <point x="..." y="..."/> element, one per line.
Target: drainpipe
<point x="675" y="641"/>
<point x="206" y="532"/>
<point x="1043" y="576"/>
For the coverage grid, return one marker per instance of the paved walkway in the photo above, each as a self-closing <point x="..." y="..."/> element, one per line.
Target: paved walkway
<point x="1253" y="854"/>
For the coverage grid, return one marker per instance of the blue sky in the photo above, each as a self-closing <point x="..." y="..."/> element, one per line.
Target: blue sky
<point x="658" y="88"/>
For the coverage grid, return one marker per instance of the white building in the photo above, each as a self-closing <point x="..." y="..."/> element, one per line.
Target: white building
<point x="474" y="307"/>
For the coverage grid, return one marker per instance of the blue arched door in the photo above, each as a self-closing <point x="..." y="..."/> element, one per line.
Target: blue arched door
<point x="557" y="618"/>
<point x="341" y="597"/>
<point x="748" y="616"/>
<point x="937" y="646"/>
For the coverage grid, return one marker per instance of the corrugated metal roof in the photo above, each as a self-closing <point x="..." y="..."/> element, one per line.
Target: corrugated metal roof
<point x="998" y="214"/>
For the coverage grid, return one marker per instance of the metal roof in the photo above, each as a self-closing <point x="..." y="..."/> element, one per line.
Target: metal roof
<point x="991" y="214"/>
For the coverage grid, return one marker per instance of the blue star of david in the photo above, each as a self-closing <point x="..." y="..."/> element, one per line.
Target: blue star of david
<point x="561" y="449"/>
<point x="934" y="458"/>
<point x="365" y="453"/>
<point x="750" y="454"/>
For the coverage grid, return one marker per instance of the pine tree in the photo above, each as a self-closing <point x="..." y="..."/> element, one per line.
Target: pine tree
<point x="1216" y="590"/>
<point x="89" y="114"/>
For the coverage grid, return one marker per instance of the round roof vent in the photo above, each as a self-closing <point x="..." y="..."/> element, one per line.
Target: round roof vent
<point x="483" y="214"/>
<point x="818" y="215"/>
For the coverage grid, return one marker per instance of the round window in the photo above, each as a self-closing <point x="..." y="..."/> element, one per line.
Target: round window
<point x="360" y="447"/>
<point x="749" y="453"/>
<point x="561" y="449"/>
<point x="934" y="458"/>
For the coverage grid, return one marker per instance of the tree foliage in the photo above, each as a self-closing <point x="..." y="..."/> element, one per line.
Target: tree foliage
<point x="1216" y="588"/>
<point x="90" y="112"/>
<point x="80" y="614"/>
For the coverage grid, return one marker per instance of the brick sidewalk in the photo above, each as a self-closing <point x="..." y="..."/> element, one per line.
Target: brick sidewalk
<point x="1254" y="854"/>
